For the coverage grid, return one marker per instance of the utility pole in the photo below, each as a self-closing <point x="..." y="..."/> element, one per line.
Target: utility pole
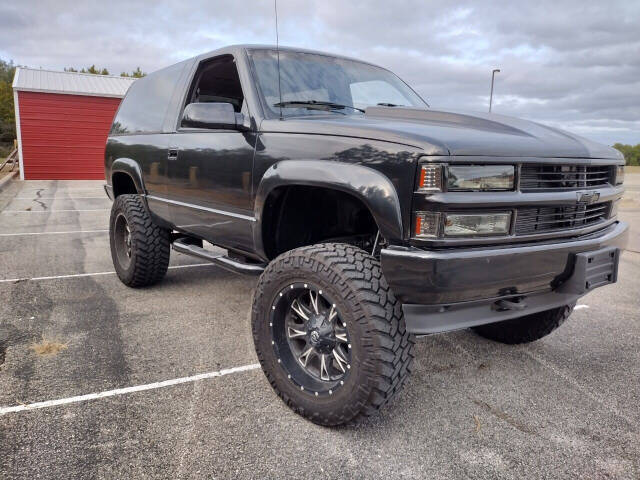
<point x="493" y="74"/>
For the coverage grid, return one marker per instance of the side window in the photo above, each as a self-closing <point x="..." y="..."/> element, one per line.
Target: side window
<point x="373" y="92"/>
<point x="145" y="105"/>
<point x="217" y="80"/>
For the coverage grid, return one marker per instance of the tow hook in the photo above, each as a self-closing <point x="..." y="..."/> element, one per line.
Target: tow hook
<point x="511" y="304"/>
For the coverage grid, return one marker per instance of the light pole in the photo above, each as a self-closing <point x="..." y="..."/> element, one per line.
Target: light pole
<point x="493" y="74"/>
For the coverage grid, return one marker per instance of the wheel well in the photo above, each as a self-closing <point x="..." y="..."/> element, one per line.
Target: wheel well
<point x="122" y="184"/>
<point x="295" y="216"/>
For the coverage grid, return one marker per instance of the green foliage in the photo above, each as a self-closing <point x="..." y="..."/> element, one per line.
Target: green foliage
<point x="631" y="153"/>
<point x="92" y="69"/>
<point x="137" y="73"/>
<point x="7" y="115"/>
<point x="5" y="150"/>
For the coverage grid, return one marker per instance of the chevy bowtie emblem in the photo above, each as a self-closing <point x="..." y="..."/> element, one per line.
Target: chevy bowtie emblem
<point x="588" y="197"/>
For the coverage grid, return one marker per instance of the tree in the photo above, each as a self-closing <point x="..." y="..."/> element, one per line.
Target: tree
<point x="631" y="153"/>
<point x="137" y="73"/>
<point x="92" y="69"/>
<point x="7" y="115"/>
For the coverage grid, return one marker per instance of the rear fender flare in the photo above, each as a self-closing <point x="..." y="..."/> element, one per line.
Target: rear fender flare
<point x="131" y="168"/>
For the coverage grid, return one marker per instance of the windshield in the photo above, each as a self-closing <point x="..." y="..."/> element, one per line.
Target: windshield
<point x="309" y="77"/>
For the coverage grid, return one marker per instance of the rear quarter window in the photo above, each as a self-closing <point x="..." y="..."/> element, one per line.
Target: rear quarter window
<point x="144" y="107"/>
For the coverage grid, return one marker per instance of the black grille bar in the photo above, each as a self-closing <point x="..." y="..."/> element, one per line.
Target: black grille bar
<point x="566" y="177"/>
<point x="530" y="221"/>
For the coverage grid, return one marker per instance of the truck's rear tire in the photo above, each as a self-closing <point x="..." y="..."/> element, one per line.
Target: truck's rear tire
<point x="525" y="329"/>
<point x="140" y="249"/>
<point x="329" y="333"/>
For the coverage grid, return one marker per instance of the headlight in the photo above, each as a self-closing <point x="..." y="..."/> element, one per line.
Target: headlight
<point x="437" y="224"/>
<point x="434" y="176"/>
<point x="485" y="177"/>
<point x="619" y="174"/>
<point x="457" y="225"/>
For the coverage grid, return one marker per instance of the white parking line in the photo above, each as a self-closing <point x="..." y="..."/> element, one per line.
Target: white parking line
<point x="580" y="307"/>
<point x="123" y="391"/>
<point x="94" y="274"/>
<point x="62" y="189"/>
<point x="57" y="198"/>
<point x="55" y="211"/>
<point x="50" y="233"/>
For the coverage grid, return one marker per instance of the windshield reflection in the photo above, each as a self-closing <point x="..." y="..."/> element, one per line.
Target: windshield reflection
<point x="315" y="78"/>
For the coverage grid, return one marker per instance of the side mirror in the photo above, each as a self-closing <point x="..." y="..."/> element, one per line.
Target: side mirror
<point x="211" y="115"/>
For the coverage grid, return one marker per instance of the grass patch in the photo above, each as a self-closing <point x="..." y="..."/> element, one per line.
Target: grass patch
<point x="47" y="347"/>
<point x="478" y="424"/>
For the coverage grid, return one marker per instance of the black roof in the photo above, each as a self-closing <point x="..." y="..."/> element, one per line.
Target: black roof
<point x="235" y="49"/>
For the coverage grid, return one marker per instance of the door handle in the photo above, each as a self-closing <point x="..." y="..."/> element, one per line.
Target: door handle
<point x="172" y="154"/>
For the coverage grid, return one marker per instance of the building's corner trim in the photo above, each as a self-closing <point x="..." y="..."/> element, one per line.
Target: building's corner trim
<point x="15" y="78"/>
<point x="18" y="132"/>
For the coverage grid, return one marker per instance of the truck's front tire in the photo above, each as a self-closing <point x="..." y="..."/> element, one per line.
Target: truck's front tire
<point x="525" y="329"/>
<point x="140" y="249"/>
<point x="329" y="333"/>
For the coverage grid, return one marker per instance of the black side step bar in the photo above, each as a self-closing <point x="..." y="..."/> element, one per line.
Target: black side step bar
<point x="182" y="245"/>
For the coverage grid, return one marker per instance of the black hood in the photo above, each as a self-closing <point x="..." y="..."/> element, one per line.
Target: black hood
<point x="453" y="133"/>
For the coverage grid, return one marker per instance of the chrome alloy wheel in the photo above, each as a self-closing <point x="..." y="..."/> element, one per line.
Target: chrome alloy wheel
<point x="310" y="338"/>
<point x="123" y="240"/>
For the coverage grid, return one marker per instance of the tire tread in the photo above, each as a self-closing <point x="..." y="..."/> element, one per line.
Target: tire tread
<point x="150" y="242"/>
<point x="360" y="276"/>
<point x="525" y="329"/>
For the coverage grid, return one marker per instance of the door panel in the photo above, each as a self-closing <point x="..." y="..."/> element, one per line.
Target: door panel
<point x="210" y="185"/>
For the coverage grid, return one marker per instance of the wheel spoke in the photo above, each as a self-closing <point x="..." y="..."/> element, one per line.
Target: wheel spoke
<point x="314" y="301"/>
<point x="294" y="332"/>
<point x="340" y="360"/>
<point x="315" y="336"/>
<point x="304" y="357"/>
<point x="299" y="309"/>
<point x="342" y="337"/>
<point x="332" y="313"/>
<point x="324" y="371"/>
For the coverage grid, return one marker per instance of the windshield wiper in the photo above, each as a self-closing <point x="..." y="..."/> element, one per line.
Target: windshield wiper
<point x="315" y="105"/>
<point x="383" y="104"/>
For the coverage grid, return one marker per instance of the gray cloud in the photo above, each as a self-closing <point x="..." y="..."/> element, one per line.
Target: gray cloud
<point x="571" y="64"/>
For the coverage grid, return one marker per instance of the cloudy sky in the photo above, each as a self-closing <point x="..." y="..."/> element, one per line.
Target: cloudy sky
<point x="570" y="64"/>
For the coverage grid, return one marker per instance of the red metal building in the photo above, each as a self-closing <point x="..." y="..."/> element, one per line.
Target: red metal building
<point x="62" y="121"/>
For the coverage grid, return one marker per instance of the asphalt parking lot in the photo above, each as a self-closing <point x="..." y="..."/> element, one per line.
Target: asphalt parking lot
<point x="567" y="406"/>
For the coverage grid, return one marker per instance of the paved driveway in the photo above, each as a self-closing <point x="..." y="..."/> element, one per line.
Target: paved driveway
<point x="567" y="406"/>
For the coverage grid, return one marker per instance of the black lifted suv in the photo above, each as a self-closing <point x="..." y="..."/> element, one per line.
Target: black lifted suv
<point x="369" y="217"/>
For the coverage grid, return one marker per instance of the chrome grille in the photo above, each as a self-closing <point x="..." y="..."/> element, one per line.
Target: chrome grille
<point x="566" y="177"/>
<point x="530" y="221"/>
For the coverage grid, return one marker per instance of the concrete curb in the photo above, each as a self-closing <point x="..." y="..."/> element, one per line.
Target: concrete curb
<point x="6" y="179"/>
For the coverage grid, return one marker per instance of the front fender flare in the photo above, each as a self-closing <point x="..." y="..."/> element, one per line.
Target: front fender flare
<point x="131" y="168"/>
<point x="373" y="188"/>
